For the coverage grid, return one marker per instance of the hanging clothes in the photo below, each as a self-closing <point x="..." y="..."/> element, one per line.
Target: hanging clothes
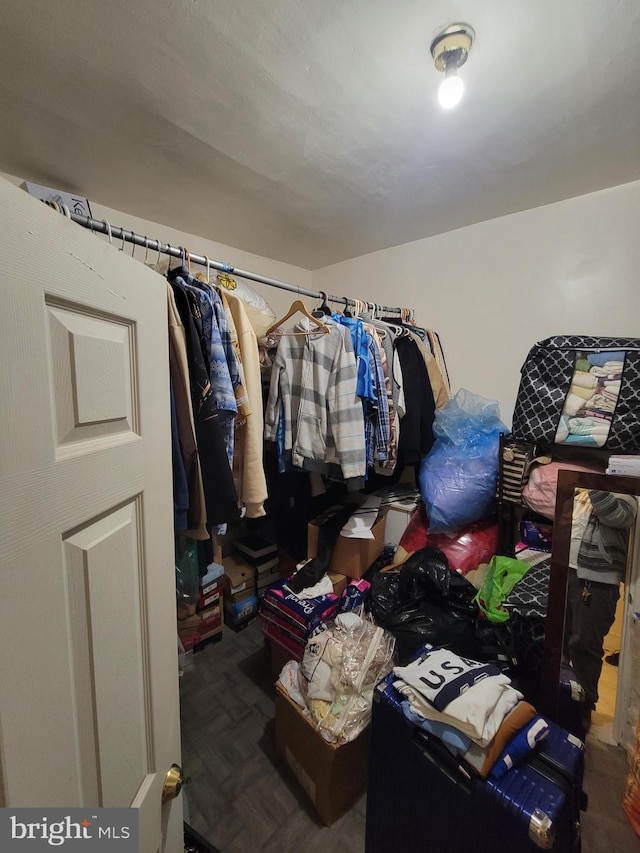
<point x="248" y="459"/>
<point x="180" y="485"/>
<point x="416" y="427"/>
<point x="361" y="351"/>
<point x="243" y="401"/>
<point x="181" y="385"/>
<point x="314" y="378"/>
<point x="438" y="386"/>
<point x="220" y="493"/>
<point x="381" y="337"/>
<point x="377" y="426"/>
<point x="219" y="356"/>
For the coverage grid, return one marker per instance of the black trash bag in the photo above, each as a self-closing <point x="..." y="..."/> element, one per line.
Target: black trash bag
<point x="425" y="603"/>
<point x="494" y="644"/>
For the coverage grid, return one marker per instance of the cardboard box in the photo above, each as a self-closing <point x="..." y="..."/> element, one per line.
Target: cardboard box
<point x="210" y="600"/>
<point x="266" y="580"/>
<point x="209" y="587"/>
<point x="239" y="576"/>
<point x="238" y="611"/>
<point x="333" y="776"/>
<point x="266" y="565"/>
<point x="397" y="517"/>
<point x="339" y="582"/>
<point x="210" y="619"/>
<point x="214" y="573"/>
<point x="351" y="557"/>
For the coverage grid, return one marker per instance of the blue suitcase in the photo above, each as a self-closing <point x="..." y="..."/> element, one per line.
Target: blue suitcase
<point x="571" y="702"/>
<point x="422" y="798"/>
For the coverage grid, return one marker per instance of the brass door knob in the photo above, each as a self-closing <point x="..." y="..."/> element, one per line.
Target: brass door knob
<point x="172" y="783"/>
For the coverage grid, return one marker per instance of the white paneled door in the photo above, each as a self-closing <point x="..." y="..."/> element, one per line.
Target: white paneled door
<point x="89" y="711"/>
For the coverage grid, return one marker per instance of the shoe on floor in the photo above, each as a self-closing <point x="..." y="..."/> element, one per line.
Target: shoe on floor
<point x="613" y="658"/>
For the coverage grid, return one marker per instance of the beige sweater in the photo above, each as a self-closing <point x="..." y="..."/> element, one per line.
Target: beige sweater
<point x="248" y="466"/>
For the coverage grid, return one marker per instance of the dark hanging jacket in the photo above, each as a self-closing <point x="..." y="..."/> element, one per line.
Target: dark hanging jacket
<point x="416" y="427"/>
<point x="220" y="494"/>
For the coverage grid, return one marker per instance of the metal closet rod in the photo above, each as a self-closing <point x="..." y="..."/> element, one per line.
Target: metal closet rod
<point x="114" y="231"/>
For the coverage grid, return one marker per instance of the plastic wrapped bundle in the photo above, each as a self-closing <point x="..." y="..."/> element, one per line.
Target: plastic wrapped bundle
<point x="340" y="668"/>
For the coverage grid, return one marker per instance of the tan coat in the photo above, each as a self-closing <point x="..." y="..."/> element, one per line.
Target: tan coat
<point x="248" y="465"/>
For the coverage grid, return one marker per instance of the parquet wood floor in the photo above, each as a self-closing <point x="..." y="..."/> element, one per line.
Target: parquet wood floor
<point x="243" y="800"/>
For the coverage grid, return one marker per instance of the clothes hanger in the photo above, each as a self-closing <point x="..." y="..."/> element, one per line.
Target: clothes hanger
<point x="322" y="310"/>
<point x="107" y="225"/>
<point x="298" y="306"/>
<point x="156" y="266"/>
<point x="168" y="252"/>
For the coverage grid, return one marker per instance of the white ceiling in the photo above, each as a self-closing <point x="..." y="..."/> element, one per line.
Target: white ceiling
<point x="309" y="130"/>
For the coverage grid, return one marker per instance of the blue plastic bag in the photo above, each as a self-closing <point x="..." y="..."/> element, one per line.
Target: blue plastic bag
<point x="458" y="477"/>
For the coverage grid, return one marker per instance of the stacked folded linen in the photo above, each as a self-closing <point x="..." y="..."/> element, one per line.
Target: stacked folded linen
<point x="588" y="431"/>
<point x="584" y="380"/>
<point x="605" y="403"/>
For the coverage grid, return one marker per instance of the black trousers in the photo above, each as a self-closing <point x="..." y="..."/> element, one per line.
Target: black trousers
<point x="587" y="623"/>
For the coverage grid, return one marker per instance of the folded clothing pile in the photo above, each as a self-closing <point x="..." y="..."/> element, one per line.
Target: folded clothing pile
<point x="335" y="680"/>
<point x="471" y="707"/>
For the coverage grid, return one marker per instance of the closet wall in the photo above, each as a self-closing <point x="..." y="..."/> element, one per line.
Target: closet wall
<point x="492" y="289"/>
<point x="279" y="300"/>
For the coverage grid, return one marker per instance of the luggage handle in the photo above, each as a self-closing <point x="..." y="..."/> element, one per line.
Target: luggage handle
<point x="455" y="769"/>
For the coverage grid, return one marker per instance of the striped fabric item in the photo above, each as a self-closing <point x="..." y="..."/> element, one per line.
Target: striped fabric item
<point x="515" y="461"/>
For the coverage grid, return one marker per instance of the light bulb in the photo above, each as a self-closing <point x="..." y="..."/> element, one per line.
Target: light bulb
<point x="451" y="89"/>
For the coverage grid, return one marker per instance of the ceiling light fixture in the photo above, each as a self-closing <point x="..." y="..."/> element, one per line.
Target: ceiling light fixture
<point x="450" y="49"/>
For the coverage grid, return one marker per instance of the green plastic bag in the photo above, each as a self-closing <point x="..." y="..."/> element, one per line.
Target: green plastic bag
<point x="502" y="575"/>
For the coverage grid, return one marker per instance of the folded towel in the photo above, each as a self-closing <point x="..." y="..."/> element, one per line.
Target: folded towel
<point x="601" y="358"/>
<point x="599" y="401"/>
<point x="586" y="440"/>
<point x="614" y="366"/>
<point x="612" y="384"/>
<point x="583" y="365"/>
<point x="584" y="380"/>
<point x="573" y="404"/>
<point x="580" y="391"/>
<point x="599" y="371"/>
<point x="610" y="395"/>
<point x="589" y="426"/>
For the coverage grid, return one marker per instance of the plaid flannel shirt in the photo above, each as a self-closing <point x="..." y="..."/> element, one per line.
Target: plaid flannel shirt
<point x="314" y="377"/>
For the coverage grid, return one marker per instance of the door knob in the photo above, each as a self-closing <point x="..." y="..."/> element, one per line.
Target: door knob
<point x="172" y="783"/>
